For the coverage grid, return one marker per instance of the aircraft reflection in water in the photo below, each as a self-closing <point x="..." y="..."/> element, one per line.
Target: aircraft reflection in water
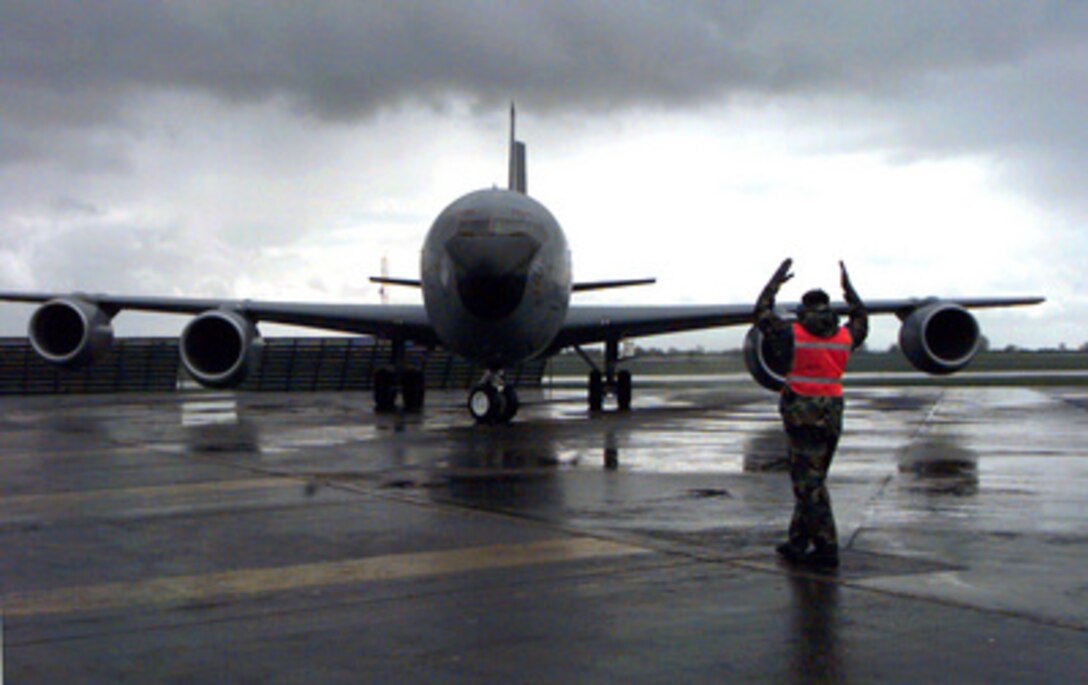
<point x="497" y="284"/>
<point x="766" y="451"/>
<point x="941" y="466"/>
<point x="497" y="471"/>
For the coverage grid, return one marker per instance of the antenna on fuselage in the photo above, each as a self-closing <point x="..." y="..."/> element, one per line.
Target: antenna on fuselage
<point x="518" y="175"/>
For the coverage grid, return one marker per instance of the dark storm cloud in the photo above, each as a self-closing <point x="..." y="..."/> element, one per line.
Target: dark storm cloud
<point x="345" y="58"/>
<point x="946" y="76"/>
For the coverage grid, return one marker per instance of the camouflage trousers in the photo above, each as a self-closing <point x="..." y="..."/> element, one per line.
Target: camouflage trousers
<point x="813" y="425"/>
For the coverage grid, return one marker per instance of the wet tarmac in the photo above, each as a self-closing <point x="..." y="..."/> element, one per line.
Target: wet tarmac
<point x="271" y="538"/>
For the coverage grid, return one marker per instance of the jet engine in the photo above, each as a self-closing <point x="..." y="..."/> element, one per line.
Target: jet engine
<point x="219" y="348"/>
<point x="939" y="338"/>
<point x="70" y="332"/>
<point x="767" y="368"/>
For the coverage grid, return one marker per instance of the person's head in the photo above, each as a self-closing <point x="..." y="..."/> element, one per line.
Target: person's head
<point x="816" y="315"/>
<point x="815" y="299"/>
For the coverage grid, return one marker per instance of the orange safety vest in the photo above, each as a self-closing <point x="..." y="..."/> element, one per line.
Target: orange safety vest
<point x="818" y="363"/>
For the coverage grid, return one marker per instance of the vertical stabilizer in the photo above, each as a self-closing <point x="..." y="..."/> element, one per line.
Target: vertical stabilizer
<point x="518" y="175"/>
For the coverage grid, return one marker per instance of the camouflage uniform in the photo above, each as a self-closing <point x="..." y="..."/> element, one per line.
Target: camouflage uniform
<point x="813" y="423"/>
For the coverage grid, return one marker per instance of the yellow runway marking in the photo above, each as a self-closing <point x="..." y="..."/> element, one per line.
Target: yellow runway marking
<point x="181" y="590"/>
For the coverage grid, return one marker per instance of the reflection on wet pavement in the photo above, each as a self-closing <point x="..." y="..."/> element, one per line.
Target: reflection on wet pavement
<point x="963" y="510"/>
<point x="816" y="655"/>
<point x="929" y="474"/>
<point x="940" y="466"/>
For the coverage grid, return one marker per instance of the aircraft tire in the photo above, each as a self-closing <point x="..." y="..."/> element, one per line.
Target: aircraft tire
<point x="510" y="403"/>
<point x="485" y="403"/>
<point x="385" y="390"/>
<point x="413" y="387"/>
<point x="623" y="390"/>
<point x="596" y="391"/>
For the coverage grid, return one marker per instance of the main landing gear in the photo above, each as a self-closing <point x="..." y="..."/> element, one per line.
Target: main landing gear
<point x="398" y="378"/>
<point x="408" y="383"/>
<point x="493" y="400"/>
<point x="600" y="387"/>
<point x="610" y="382"/>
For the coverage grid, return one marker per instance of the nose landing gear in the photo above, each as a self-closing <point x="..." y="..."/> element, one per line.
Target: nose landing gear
<point x="492" y="400"/>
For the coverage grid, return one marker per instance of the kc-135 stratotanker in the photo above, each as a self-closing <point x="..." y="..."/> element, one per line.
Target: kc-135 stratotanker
<point x="497" y="288"/>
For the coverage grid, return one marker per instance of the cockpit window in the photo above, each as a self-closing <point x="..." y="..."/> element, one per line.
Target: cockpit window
<point x="494" y="226"/>
<point x="473" y="227"/>
<point x="511" y="227"/>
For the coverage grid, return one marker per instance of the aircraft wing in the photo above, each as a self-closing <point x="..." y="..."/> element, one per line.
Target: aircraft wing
<point x="584" y="324"/>
<point x="903" y="308"/>
<point x="598" y="323"/>
<point x="407" y="321"/>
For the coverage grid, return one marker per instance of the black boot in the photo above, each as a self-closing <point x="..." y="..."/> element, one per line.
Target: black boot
<point x="824" y="556"/>
<point x="791" y="552"/>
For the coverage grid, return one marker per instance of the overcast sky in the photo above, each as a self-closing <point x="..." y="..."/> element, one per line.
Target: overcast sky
<point x="282" y="149"/>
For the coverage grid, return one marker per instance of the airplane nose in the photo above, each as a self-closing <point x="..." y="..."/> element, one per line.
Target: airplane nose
<point x="491" y="271"/>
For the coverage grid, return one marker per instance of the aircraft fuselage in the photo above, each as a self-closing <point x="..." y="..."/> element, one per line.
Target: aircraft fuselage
<point x="496" y="277"/>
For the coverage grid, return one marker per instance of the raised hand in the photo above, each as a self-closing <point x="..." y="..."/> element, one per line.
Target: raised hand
<point x="848" y="291"/>
<point x="783" y="274"/>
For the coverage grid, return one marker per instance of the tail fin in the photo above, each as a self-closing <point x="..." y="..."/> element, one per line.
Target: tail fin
<point x="518" y="174"/>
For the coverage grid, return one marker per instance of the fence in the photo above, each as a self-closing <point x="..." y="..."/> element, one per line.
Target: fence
<point x="131" y="364"/>
<point x="285" y="365"/>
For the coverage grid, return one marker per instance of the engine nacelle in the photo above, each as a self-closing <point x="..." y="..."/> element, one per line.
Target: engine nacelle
<point x="70" y="332"/>
<point x="219" y="348"/>
<point x="767" y="368"/>
<point x="940" y="338"/>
